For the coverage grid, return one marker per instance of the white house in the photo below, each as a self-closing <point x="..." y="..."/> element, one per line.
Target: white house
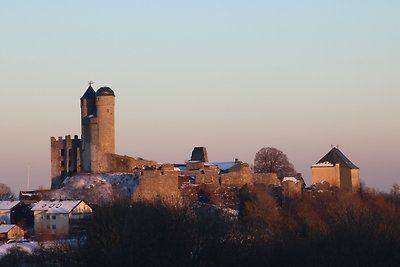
<point x="58" y="217"/>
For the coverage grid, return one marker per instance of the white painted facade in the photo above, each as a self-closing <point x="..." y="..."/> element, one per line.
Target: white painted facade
<point x="55" y="217"/>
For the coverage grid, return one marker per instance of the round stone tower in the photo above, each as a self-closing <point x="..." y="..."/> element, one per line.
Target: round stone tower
<point x="105" y="143"/>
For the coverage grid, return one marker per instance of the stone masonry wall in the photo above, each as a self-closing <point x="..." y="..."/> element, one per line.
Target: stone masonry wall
<point x="118" y="163"/>
<point x="239" y="175"/>
<point x="160" y="184"/>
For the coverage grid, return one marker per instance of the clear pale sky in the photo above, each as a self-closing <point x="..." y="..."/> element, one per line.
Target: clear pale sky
<point x="233" y="76"/>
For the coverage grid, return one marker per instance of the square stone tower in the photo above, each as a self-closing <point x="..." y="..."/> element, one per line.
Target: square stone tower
<point x="336" y="169"/>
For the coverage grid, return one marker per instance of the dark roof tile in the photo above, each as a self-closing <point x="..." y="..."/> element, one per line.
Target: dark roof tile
<point x="335" y="156"/>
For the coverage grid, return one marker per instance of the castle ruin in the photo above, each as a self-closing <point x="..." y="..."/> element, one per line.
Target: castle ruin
<point x="94" y="152"/>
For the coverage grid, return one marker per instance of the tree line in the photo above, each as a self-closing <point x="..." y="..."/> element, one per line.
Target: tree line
<point x="320" y="230"/>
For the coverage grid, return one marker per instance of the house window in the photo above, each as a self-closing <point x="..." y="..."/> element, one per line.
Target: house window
<point x="53" y="217"/>
<point x="53" y="226"/>
<point x="48" y="217"/>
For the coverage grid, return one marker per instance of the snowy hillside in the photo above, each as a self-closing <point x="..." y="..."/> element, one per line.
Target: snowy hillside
<point x="98" y="188"/>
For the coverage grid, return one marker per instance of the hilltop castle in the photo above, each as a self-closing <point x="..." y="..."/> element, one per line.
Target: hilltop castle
<point x="94" y="152"/>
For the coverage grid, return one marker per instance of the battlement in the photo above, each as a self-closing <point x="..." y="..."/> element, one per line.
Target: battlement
<point x="65" y="158"/>
<point x="66" y="138"/>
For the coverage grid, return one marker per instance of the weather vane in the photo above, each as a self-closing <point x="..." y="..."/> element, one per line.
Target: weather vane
<point x="90" y="82"/>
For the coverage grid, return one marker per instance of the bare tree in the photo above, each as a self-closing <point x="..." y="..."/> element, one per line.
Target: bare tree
<point x="5" y="192"/>
<point x="272" y="160"/>
<point x="395" y="190"/>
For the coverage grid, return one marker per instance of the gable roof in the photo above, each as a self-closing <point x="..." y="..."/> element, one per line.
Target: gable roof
<point x="56" y="206"/>
<point x="7" y="205"/>
<point x="335" y="156"/>
<point x="4" y="228"/>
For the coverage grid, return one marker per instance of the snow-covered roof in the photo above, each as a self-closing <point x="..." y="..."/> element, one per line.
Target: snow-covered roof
<point x="323" y="164"/>
<point x="291" y="179"/>
<point x="7" y="205"/>
<point x="4" y="228"/>
<point x="223" y="166"/>
<point x="192" y="161"/>
<point x="335" y="156"/>
<point x="56" y="206"/>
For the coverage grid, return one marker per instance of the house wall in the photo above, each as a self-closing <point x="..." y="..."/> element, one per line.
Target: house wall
<point x="59" y="223"/>
<point x="81" y="211"/>
<point x="22" y="215"/>
<point x="54" y="224"/>
<point x="326" y="173"/>
<point x="355" y="180"/>
<point x="15" y="233"/>
<point x="5" y="216"/>
<point x="345" y="179"/>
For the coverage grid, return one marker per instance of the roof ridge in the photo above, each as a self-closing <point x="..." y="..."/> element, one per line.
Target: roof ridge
<point x="335" y="156"/>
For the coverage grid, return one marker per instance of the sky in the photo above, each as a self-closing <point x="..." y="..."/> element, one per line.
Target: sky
<point x="233" y="76"/>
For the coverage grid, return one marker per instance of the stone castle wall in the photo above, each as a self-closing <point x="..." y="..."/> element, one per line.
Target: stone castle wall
<point x="65" y="158"/>
<point x="266" y="178"/>
<point x="292" y="189"/>
<point x="160" y="184"/>
<point x="239" y="175"/>
<point x="117" y="163"/>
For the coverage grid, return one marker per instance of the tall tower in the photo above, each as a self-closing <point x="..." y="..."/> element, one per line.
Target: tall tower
<point x="105" y="143"/>
<point x="88" y="102"/>
<point x="88" y="112"/>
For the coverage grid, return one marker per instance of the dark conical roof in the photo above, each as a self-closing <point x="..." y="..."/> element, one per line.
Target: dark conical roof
<point x="105" y="91"/>
<point x="336" y="156"/>
<point x="89" y="94"/>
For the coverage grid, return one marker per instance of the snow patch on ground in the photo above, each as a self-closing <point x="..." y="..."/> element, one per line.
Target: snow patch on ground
<point x="27" y="247"/>
<point x="98" y="189"/>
